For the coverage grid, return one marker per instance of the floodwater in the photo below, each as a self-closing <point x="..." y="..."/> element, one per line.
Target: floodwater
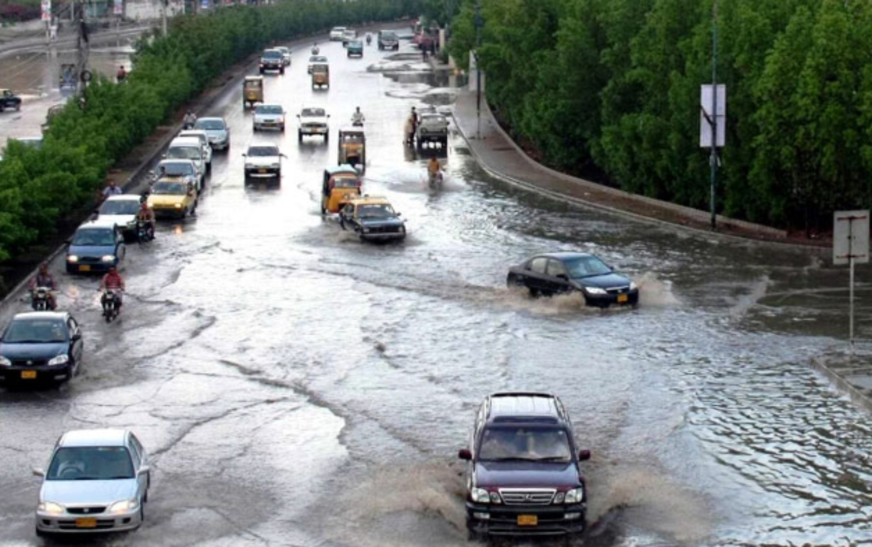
<point x="296" y="386"/>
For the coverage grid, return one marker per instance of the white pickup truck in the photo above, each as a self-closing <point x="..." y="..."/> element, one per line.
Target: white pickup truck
<point x="432" y="127"/>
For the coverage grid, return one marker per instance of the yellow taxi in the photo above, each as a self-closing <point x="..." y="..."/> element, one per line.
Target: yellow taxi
<point x="173" y="197"/>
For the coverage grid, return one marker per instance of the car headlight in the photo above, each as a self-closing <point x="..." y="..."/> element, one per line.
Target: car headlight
<point x="479" y="495"/>
<point x="4" y="362"/>
<point x="50" y="508"/>
<point x="558" y="498"/>
<point x="59" y="360"/>
<point x="108" y="258"/>
<point x="274" y="166"/>
<point x="125" y="506"/>
<point x="633" y="286"/>
<point x="178" y="206"/>
<point x="595" y="290"/>
<point x="574" y="496"/>
<point x="72" y="258"/>
<point x="366" y="230"/>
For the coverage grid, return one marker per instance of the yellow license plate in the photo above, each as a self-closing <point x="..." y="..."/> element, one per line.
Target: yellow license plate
<point x="28" y="374"/>
<point x="528" y="520"/>
<point x="84" y="268"/>
<point x="623" y="298"/>
<point x="86" y="523"/>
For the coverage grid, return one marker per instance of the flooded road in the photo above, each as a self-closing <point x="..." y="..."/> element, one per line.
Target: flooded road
<point x="298" y="387"/>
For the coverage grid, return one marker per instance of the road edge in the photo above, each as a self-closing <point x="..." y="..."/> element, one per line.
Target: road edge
<point x="841" y="382"/>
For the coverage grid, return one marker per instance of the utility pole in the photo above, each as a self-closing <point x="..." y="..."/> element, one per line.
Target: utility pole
<point x="714" y="114"/>
<point x="478" y="24"/>
<point x="165" y="4"/>
<point x="83" y="49"/>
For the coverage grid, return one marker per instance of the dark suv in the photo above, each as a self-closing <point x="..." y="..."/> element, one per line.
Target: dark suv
<point x="272" y="59"/>
<point x="387" y="39"/>
<point x="523" y="476"/>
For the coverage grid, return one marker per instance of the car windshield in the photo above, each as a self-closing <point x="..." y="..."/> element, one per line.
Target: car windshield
<point x="388" y="36"/>
<point x="346" y="182"/>
<point x="317" y="59"/>
<point x="120" y="207"/>
<point x="167" y="188"/>
<point x="586" y="266"/>
<point x="36" y="331"/>
<point x="209" y="125"/>
<point x="177" y="169"/>
<point x="91" y="463"/>
<point x="184" y="152"/>
<point x="313" y="113"/>
<point x="524" y="443"/>
<point x="375" y="211"/>
<point x="104" y="237"/>
<point x="268" y="109"/>
<point x="263" y="151"/>
<point x="253" y="84"/>
<point x="272" y="54"/>
<point x="356" y="43"/>
<point x="320" y="68"/>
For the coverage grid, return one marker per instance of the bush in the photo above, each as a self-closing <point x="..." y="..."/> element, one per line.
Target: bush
<point x="40" y="187"/>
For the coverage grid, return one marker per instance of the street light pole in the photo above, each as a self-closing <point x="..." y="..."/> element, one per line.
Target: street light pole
<point x="714" y="114"/>
<point x="478" y="25"/>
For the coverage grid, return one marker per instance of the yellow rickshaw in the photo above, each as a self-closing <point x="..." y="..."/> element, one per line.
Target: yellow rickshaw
<point x="341" y="184"/>
<point x="252" y="91"/>
<point x="352" y="147"/>
<point x="320" y="75"/>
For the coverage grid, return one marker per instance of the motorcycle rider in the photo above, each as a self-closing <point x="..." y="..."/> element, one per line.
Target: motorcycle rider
<point x="368" y="38"/>
<point x="315" y="49"/>
<point x="44" y="279"/>
<point x="146" y="216"/>
<point x="112" y="190"/>
<point x="190" y="120"/>
<point x="358" y="118"/>
<point x="112" y="281"/>
<point x="411" y="126"/>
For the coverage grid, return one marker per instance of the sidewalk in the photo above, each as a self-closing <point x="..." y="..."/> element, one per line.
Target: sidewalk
<point x="501" y="158"/>
<point x="852" y="376"/>
<point x="67" y="36"/>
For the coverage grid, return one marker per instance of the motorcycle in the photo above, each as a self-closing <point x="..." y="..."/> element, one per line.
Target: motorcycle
<point x="111" y="299"/>
<point x="144" y="232"/>
<point x="368" y="39"/>
<point x="356" y="122"/>
<point x="40" y="299"/>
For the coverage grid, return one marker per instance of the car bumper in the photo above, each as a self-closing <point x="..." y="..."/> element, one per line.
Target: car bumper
<point x="502" y="520"/>
<point x="606" y="300"/>
<point x="219" y="144"/>
<point x="313" y="130"/>
<point x="90" y="267"/>
<point x="43" y="373"/>
<point x="269" y="125"/>
<point x="280" y="66"/>
<point x="70" y="524"/>
<point x="382" y="236"/>
<point x="169" y="212"/>
<point x="262" y="173"/>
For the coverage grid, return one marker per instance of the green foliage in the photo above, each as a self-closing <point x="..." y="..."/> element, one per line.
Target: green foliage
<point x="611" y="88"/>
<point x="40" y="187"/>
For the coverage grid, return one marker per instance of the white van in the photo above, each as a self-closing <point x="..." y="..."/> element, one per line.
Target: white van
<point x="189" y="148"/>
<point x="204" y="141"/>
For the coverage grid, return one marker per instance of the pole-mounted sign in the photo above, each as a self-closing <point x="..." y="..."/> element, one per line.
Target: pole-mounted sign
<point x="851" y="246"/>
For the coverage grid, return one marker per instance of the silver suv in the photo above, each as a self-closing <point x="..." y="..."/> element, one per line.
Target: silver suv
<point x="97" y="481"/>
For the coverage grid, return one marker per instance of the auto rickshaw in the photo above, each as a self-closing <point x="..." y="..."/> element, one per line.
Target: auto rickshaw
<point x="352" y="147"/>
<point x="252" y="91"/>
<point x="341" y="184"/>
<point x="320" y="75"/>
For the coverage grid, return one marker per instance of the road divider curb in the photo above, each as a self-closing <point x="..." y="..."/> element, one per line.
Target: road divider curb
<point x="848" y="375"/>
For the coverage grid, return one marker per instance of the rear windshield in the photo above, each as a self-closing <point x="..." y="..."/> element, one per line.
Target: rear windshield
<point x="36" y="331"/>
<point x="102" y="237"/>
<point x="120" y="207"/>
<point x="525" y="443"/>
<point x="101" y="463"/>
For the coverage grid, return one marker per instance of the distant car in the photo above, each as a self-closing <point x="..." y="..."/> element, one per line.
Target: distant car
<point x="337" y="33"/>
<point x="355" y="48"/>
<point x="432" y="127"/>
<point x="122" y="211"/>
<point x="9" y="100"/>
<point x="182" y="170"/>
<point x="96" y="246"/>
<point x="40" y="346"/>
<point x="200" y="135"/>
<point x="174" y="197"/>
<point x="523" y="475"/>
<point x="373" y="219"/>
<point x="313" y="121"/>
<point x="316" y="60"/>
<point x="387" y="39"/>
<point x="269" y="116"/>
<point x="188" y="148"/>
<point x="272" y="59"/>
<point x="97" y="481"/>
<point x="286" y="54"/>
<point x="348" y="36"/>
<point x="263" y="161"/>
<point x="217" y="131"/>
<point x="557" y="273"/>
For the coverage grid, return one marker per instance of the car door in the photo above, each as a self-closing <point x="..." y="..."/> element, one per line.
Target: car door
<point x="558" y="277"/>
<point x="120" y="248"/>
<point x="76" y="344"/>
<point x="136" y="457"/>
<point x="535" y="279"/>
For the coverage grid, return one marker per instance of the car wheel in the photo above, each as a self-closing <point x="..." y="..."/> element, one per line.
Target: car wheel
<point x="283" y="128"/>
<point x="535" y="293"/>
<point x="18" y="107"/>
<point x="1" y="108"/>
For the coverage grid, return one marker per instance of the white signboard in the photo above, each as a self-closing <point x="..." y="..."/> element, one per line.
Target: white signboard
<point x="850" y="237"/>
<point x="119" y="7"/>
<point x="46" y="10"/>
<point x="705" y="116"/>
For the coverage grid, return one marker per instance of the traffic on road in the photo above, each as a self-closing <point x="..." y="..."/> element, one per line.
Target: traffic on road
<point x="322" y="324"/>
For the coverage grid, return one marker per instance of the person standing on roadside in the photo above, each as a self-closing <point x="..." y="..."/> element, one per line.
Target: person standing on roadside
<point x="112" y="190"/>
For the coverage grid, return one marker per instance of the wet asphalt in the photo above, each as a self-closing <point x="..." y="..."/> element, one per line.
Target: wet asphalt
<point x="296" y="386"/>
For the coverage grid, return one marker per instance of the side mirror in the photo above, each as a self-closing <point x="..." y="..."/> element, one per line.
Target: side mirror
<point x="244" y="155"/>
<point x="143" y="470"/>
<point x="563" y="277"/>
<point x="39" y="472"/>
<point x="282" y="155"/>
<point x="298" y="115"/>
<point x="584" y="455"/>
<point x="328" y="115"/>
<point x="464" y="454"/>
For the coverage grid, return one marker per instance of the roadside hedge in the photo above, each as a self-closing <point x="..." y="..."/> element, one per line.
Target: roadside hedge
<point x="38" y="188"/>
<point x="610" y="89"/>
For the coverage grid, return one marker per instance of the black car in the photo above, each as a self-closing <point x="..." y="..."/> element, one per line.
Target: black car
<point x="557" y="273"/>
<point x="387" y="39"/>
<point x="373" y="219"/>
<point x="524" y="475"/>
<point x="272" y="59"/>
<point x="9" y="100"/>
<point x="40" y="347"/>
